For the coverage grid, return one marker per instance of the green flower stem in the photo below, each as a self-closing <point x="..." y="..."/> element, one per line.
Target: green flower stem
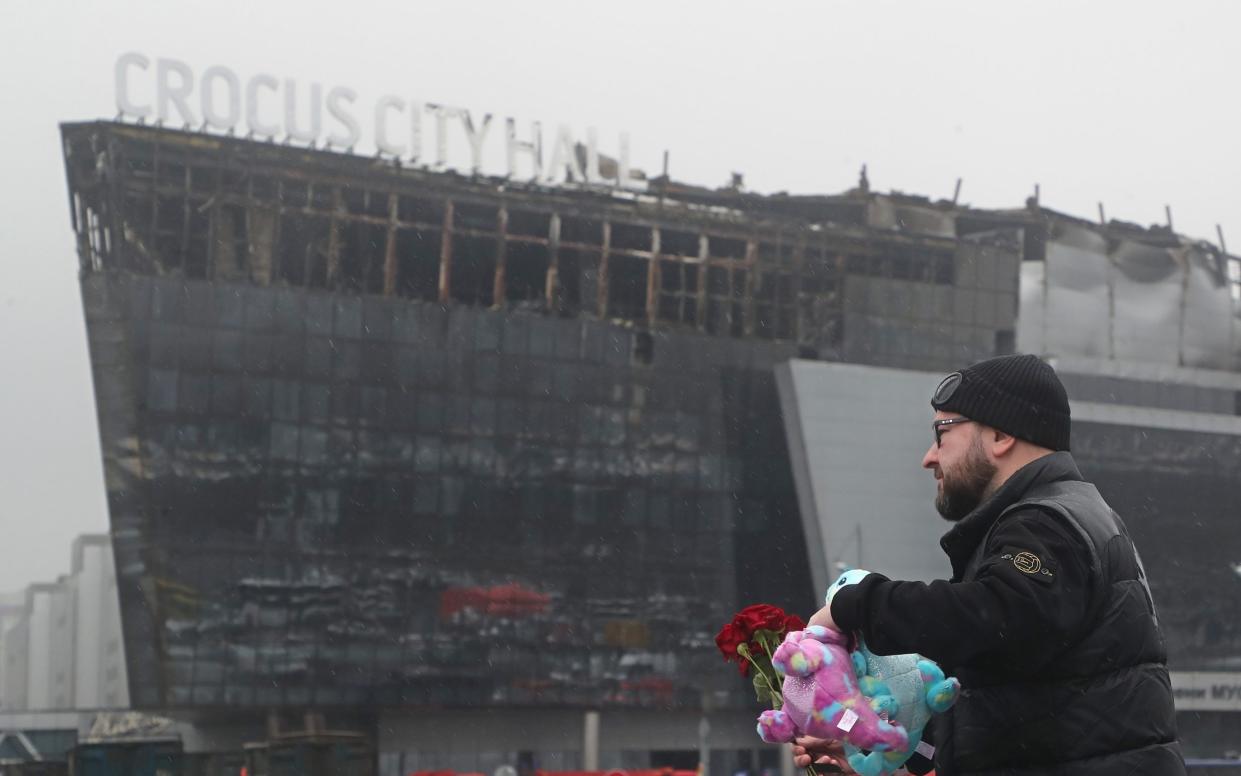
<point x="776" y="695"/>
<point x="767" y="648"/>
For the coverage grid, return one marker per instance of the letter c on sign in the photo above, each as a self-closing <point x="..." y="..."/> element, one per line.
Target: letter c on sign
<point x="124" y="105"/>
<point x="385" y="104"/>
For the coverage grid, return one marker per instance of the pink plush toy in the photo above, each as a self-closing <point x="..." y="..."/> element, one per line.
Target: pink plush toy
<point x="822" y="698"/>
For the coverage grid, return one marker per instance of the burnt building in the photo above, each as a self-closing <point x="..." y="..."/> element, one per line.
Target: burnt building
<point x="381" y="442"/>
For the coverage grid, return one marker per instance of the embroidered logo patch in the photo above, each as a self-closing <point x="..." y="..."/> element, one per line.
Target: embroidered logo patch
<point x="1028" y="563"/>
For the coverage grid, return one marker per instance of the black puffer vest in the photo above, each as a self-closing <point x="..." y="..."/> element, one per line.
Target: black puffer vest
<point x="1103" y="705"/>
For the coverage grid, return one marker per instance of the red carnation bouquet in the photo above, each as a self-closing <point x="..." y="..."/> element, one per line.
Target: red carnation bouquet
<point x="749" y="641"/>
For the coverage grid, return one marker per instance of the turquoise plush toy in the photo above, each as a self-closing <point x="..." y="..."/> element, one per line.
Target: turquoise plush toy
<point x="908" y="689"/>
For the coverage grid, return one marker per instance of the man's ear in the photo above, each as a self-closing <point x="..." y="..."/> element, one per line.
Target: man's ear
<point x="1001" y="443"/>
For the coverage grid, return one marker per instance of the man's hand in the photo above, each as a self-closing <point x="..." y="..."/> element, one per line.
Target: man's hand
<point x="807" y="750"/>
<point x="824" y="617"/>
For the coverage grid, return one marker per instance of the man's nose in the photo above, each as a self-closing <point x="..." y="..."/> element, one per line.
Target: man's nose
<point x="931" y="459"/>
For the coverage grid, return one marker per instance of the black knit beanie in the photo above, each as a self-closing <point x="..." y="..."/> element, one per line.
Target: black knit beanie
<point x="1019" y="395"/>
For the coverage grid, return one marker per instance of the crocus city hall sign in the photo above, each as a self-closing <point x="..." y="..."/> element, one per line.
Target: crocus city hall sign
<point x="168" y="91"/>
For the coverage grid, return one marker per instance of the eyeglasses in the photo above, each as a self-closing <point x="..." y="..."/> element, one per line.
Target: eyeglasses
<point x="938" y="427"/>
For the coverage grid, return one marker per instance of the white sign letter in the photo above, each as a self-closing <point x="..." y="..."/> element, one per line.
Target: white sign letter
<point x="592" y="156"/>
<point x="513" y="146"/>
<point x="335" y="97"/>
<point x="385" y="104"/>
<point x="232" y="86"/>
<point x="415" y="130"/>
<point x="290" y="112"/>
<point x="564" y="157"/>
<point x="442" y="114"/>
<point x="252" y="105"/>
<point x="178" y="95"/>
<point x="124" y="105"/>
<point x="476" y="140"/>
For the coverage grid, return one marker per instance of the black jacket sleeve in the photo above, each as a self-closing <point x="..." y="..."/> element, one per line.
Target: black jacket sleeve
<point x="1029" y="599"/>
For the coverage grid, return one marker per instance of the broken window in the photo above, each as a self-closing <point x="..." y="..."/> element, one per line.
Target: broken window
<point x="643" y="347"/>
<point x="577" y="285"/>
<point x="766" y="312"/>
<point x="261" y="230"/>
<point x="679" y="253"/>
<point x="581" y="232"/>
<point x="685" y="245"/>
<point x="819" y="300"/>
<point x="362" y="249"/>
<point x="775" y="290"/>
<point x="725" y="299"/>
<point x="627" y="287"/>
<point x="418" y="263"/>
<point x="678" y="292"/>
<point x="578" y="258"/>
<point x="197" y="240"/>
<point x="169" y="231"/>
<point x="361" y="241"/>
<point x="301" y="249"/>
<point x="473" y="270"/>
<point x="527" y="224"/>
<point x="419" y="211"/>
<point x="318" y="257"/>
<point x="478" y="218"/>
<point x="292" y="249"/>
<point x="525" y="273"/>
<point x="727" y="248"/>
<point x="631" y="237"/>
<point x="231" y="258"/>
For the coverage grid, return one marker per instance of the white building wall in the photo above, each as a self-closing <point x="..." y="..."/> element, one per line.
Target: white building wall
<point x="39" y="649"/>
<point x="114" y="678"/>
<point x="62" y="637"/>
<point x="857" y="436"/>
<point x="64" y="652"/>
<point x="16" y="658"/>
<point x="88" y="577"/>
<point x="99" y="667"/>
<point x="1095" y="297"/>
<point x="12" y="612"/>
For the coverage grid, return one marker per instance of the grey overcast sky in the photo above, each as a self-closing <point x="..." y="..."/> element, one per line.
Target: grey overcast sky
<point x="1131" y="103"/>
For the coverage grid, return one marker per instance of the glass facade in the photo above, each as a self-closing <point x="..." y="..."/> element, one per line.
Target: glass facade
<point x="1176" y="492"/>
<point x="395" y="438"/>
<point x="358" y="501"/>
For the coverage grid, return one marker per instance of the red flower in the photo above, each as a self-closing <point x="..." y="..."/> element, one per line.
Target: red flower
<point x="746" y="624"/>
<point x="761" y="617"/>
<point x="728" y="639"/>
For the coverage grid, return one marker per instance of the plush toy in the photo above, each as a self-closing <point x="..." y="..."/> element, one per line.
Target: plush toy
<point x="822" y="697"/>
<point x="905" y="689"/>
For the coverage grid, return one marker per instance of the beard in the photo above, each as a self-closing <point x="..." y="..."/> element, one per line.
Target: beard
<point x="962" y="490"/>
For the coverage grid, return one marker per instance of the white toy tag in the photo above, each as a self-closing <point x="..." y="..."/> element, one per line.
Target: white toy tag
<point x="847" y="720"/>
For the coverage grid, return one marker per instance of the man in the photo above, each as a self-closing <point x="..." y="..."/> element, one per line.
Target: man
<point x="1047" y="621"/>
